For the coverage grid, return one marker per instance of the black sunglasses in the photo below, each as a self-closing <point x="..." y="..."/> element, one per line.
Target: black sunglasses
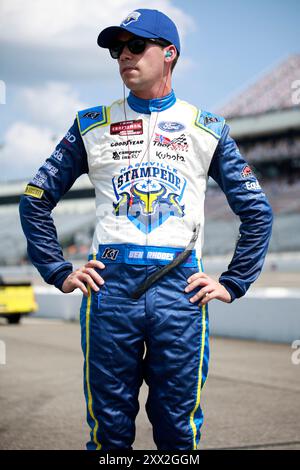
<point x="136" y="45"/>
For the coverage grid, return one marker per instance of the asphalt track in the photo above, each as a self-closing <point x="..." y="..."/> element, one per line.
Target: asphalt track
<point x="251" y="399"/>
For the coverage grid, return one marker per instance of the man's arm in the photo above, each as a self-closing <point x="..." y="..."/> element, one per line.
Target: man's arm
<point x="52" y="181"/>
<point x="247" y="200"/>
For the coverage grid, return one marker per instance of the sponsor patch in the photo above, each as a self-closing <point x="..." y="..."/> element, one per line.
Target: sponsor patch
<point x="33" y="191"/>
<point x="252" y="185"/>
<point x="176" y="157"/>
<point x="246" y="171"/>
<point x="127" y="127"/>
<point x="125" y="154"/>
<point x="91" y="115"/>
<point x="58" y="154"/>
<point x="51" y="169"/>
<point x="116" y="156"/>
<point x="40" y="178"/>
<point x="162" y="140"/>
<point x="110" y="253"/>
<point x="171" y="126"/>
<point x="70" y="137"/>
<point x="127" y="143"/>
<point x="179" y="143"/>
<point x="209" y="119"/>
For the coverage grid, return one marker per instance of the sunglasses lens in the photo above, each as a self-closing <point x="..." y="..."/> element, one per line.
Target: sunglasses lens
<point x="136" y="45"/>
<point x="116" y="50"/>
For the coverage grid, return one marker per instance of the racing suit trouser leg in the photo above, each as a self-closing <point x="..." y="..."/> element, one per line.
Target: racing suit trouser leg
<point x="176" y="362"/>
<point x="113" y="346"/>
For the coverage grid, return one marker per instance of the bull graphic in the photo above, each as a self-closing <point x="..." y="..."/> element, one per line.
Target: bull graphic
<point x="148" y="209"/>
<point x="148" y="200"/>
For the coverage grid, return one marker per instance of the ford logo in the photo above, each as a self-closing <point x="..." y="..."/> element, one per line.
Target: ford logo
<point x="170" y="126"/>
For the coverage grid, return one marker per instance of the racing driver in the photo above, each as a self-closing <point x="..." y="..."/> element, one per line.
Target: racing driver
<point x="148" y="157"/>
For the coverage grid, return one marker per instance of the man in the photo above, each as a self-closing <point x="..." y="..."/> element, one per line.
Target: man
<point x="149" y="157"/>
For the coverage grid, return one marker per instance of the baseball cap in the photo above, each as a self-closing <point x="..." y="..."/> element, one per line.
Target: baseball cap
<point x="145" y="23"/>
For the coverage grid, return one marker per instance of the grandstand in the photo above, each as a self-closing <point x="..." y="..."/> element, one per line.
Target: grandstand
<point x="264" y="120"/>
<point x="74" y="218"/>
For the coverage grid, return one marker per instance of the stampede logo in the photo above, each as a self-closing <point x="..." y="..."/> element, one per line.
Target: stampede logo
<point x="149" y="195"/>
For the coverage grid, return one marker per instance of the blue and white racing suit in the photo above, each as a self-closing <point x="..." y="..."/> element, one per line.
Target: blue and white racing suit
<point x="149" y="162"/>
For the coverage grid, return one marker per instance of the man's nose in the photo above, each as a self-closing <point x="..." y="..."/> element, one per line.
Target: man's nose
<point x="125" y="54"/>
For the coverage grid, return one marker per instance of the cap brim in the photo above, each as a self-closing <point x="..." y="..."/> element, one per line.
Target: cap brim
<point x="107" y="36"/>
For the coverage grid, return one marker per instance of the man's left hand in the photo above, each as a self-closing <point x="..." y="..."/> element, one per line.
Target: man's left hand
<point x="210" y="289"/>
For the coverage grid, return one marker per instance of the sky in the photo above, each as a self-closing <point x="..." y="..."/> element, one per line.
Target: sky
<point x="51" y="65"/>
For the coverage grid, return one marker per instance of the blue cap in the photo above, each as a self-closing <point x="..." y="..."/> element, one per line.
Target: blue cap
<point x="145" y="23"/>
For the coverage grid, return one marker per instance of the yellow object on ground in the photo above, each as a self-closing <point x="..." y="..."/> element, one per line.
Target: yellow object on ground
<point x="17" y="298"/>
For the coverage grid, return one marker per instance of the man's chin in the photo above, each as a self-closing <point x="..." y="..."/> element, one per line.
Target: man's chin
<point x="132" y="85"/>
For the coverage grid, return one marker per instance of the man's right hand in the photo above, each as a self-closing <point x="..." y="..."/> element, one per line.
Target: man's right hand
<point x="86" y="275"/>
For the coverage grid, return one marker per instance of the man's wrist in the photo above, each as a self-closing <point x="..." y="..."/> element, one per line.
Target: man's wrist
<point x="60" y="278"/>
<point x="229" y="290"/>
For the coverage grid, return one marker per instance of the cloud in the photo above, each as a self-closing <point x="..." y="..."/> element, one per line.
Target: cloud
<point x="25" y="148"/>
<point x="52" y="105"/>
<point x="71" y="24"/>
<point x="42" y="40"/>
<point x="48" y="112"/>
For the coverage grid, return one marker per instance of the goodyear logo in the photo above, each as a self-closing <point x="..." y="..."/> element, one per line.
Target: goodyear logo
<point x="149" y="194"/>
<point x="34" y="191"/>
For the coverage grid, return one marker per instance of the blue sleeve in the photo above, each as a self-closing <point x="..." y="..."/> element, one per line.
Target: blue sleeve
<point x="54" y="178"/>
<point x="247" y="200"/>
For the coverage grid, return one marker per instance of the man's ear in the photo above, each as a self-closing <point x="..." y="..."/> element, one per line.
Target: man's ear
<point x="170" y="53"/>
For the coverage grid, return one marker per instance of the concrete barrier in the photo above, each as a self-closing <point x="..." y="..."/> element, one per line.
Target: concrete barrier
<point x="265" y="314"/>
<point x="54" y="304"/>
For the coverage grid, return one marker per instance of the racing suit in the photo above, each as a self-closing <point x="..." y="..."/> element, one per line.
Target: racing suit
<point x="149" y="162"/>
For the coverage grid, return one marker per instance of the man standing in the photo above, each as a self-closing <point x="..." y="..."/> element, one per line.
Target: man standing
<point x="149" y="157"/>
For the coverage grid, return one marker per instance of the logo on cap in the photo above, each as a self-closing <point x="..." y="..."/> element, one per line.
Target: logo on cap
<point x="134" y="16"/>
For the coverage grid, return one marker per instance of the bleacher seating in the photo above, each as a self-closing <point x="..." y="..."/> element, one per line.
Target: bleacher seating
<point x="271" y="92"/>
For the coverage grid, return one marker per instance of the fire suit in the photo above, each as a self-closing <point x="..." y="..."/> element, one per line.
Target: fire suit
<point x="149" y="162"/>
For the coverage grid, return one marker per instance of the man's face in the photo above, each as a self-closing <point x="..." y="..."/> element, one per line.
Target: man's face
<point x="140" y="72"/>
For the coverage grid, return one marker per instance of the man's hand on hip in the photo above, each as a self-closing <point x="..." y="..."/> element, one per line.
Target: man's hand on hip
<point x="210" y="289"/>
<point x="83" y="277"/>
